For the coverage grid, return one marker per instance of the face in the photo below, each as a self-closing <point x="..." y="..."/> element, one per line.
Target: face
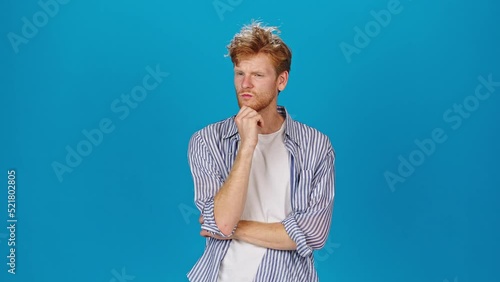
<point x="256" y="82"/>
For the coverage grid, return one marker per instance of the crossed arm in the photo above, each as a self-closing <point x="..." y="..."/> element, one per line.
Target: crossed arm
<point x="267" y="235"/>
<point x="220" y="214"/>
<point x="229" y="202"/>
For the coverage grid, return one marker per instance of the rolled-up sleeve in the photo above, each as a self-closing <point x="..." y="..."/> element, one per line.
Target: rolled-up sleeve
<point x="309" y="227"/>
<point x="207" y="181"/>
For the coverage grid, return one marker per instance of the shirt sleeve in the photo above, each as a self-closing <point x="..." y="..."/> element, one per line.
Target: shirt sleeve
<point x="309" y="227"/>
<point x="207" y="181"/>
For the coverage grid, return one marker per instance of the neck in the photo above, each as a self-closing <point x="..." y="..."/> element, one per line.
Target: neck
<point x="272" y="119"/>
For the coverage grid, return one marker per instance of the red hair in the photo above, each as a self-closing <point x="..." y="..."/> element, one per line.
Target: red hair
<point x="254" y="39"/>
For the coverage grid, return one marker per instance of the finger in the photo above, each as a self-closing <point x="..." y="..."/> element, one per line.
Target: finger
<point x="200" y="219"/>
<point x="251" y="115"/>
<point x="221" y="238"/>
<point x="246" y="109"/>
<point x="244" y="112"/>
<point x="205" y="233"/>
<point x="258" y="119"/>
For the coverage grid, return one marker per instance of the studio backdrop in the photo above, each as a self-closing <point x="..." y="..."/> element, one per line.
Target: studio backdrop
<point x="99" y="100"/>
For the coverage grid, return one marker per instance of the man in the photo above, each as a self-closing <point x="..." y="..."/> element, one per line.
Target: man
<point x="264" y="183"/>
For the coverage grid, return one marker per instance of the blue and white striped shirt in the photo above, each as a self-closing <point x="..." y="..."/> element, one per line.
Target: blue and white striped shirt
<point x="212" y="151"/>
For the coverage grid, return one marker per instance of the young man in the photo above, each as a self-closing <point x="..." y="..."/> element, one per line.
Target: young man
<point x="264" y="183"/>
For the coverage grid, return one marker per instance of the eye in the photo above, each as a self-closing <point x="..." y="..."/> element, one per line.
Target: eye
<point x="259" y="75"/>
<point x="239" y="73"/>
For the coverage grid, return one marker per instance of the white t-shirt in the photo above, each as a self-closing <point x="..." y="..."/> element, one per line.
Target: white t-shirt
<point x="268" y="200"/>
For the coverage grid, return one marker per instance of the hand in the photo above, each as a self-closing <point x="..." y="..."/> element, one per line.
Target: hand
<point x="207" y="234"/>
<point x="249" y="122"/>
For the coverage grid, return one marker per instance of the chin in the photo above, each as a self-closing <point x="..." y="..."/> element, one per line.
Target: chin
<point x="242" y="103"/>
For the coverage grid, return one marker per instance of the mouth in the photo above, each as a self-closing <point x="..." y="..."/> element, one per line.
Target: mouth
<point x="246" y="95"/>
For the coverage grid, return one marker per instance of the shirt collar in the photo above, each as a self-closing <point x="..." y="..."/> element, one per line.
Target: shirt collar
<point x="290" y="127"/>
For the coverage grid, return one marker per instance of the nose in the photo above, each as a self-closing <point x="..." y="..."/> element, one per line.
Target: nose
<point x="246" y="82"/>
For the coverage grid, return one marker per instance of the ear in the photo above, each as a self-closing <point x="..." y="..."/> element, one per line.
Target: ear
<point x="282" y="80"/>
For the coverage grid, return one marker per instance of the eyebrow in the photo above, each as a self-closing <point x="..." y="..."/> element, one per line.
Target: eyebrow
<point x="252" y="72"/>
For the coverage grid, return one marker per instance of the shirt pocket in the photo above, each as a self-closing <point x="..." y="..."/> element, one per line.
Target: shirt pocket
<point x="303" y="190"/>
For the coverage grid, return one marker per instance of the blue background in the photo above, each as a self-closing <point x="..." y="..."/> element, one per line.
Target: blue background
<point x="128" y="207"/>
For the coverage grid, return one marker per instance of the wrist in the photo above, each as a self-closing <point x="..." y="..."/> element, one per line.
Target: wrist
<point x="246" y="149"/>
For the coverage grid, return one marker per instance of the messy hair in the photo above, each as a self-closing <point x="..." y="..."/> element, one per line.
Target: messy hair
<point x="255" y="38"/>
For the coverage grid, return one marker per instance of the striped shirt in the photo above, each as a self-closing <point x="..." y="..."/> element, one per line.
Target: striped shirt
<point x="212" y="151"/>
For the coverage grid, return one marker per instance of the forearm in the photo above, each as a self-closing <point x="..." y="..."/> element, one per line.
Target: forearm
<point x="229" y="201"/>
<point x="267" y="235"/>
